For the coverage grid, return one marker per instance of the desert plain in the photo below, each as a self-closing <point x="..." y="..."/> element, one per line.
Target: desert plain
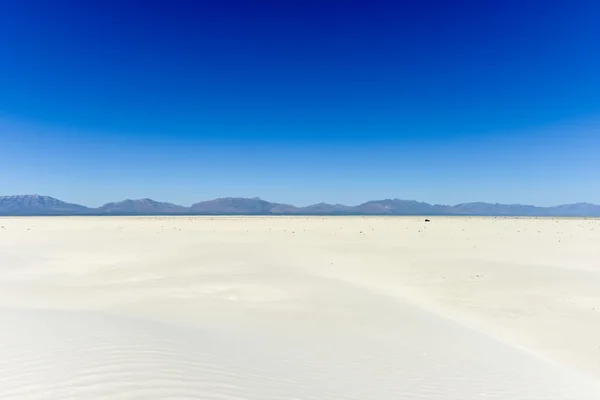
<point x="299" y="308"/>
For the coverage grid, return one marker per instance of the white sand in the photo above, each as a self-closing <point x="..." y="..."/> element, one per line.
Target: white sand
<point x="299" y="308"/>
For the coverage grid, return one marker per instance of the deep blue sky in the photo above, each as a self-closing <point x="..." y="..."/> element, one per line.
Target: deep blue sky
<point x="301" y="101"/>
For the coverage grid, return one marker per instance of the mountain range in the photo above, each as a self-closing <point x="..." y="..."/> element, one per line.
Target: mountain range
<point x="45" y="205"/>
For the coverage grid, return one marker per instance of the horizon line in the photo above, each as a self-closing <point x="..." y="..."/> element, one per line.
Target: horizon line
<point x="309" y="205"/>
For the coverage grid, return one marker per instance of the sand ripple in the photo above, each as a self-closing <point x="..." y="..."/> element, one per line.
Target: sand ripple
<point x="84" y="355"/>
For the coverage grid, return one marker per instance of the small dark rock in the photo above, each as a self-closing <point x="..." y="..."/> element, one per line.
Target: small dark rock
<point x="426" y="220"/>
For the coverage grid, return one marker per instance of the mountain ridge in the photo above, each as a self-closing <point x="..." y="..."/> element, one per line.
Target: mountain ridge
<point x="23" y="205"/>
<point x="34" y="204"/>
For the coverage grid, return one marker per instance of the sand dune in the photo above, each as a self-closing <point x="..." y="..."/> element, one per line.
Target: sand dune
<point x="299" y="308"/>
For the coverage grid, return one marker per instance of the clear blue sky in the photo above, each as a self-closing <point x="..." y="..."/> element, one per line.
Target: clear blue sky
<point x="301" y="101"/>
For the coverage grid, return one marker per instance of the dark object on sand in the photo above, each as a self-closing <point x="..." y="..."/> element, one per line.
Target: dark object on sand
<point x="427" y="220"/>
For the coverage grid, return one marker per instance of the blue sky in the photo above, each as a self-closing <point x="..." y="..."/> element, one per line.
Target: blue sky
<point x="301" y="101"/>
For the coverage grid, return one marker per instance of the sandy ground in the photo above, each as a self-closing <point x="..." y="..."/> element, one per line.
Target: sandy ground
<point x="299" y="308"/>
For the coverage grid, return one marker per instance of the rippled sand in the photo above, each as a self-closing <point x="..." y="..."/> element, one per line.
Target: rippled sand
<point x="299" y="308"/>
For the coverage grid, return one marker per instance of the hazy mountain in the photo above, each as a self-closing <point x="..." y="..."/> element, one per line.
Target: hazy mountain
<point x="241" y="205"/>
<point x="395" y="207"/>
<point x="574" y="210"/>
<point x="141" y="206"/>
<point x="578" y="209"/>
<point x="37" y="205"/>
<point x="495" y="209"/>
<point x="324" y="208"/>
<point x="44" y="205"/>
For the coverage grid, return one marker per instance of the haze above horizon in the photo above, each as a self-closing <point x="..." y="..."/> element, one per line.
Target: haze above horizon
<point x="301" y="101"/>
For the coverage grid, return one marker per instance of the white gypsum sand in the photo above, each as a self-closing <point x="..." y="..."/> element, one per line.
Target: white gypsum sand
<point x="299" y="308"/>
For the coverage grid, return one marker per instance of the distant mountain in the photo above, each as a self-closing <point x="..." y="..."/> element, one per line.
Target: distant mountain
<point x="325" y="209"/>
<point x="396" y="207"/>
<point x="241" y="205"/>
<point x="44" y="205"/>
<point x="495" y="209"/>
<point x="566" y="210"/>
<point x="576" y="209"/>
<point x="141" y="207"/>
<point x="35" y="205"/>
